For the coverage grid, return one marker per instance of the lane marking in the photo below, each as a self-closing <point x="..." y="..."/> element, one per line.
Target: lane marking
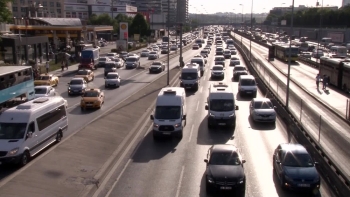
<point x="201" y="89"/>
<point x="189" y="139"/>
<point x="118" y="178"/>
<point x="180" y="182"/>
<point x="197" y="105"/>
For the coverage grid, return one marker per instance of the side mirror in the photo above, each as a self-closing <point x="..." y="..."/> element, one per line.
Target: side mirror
<point x="278" y="162"/>
<point x="206" y="107"/>
<point x="184" y="117"/>
<point x="316" y="163"/>
<point x="151" y="117"/>
<point x="30" y="134"/>
<point x="68" y="83"/>
<point x="243" y="161"/>
<point x="275" y="107"/>
<point x="206" y="160"/>
<point x="237" y="108"/>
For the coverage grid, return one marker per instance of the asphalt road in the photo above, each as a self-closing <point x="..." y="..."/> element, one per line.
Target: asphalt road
<point x="175" y="168"/>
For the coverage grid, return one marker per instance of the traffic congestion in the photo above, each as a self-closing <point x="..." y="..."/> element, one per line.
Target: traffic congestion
<point x="213" y="132"/>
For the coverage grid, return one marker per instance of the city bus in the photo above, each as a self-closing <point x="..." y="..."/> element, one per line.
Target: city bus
<point x="338" y="51"/>
<point x="165" y="39"/>
<point x="16" y="81"/>
<point x="282" y="52"/>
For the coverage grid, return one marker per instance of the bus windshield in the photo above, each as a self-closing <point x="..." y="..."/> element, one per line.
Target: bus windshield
<point x="165" y="39"/>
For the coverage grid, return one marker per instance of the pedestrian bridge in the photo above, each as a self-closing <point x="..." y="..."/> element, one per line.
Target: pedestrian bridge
<point x="200" y="24"/>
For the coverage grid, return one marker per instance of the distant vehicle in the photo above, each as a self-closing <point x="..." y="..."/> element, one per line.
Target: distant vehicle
<point x="145" y="53"/>
<point x="44" y="91"/>
<point x="317" y="53"/>
<point x="326" y="41"/>
<point x="153" y="55"/>
<point x="102" y="61"/>
<point x="190" y="76"/>
<point x="87" y="75"/>
<point x="112" y="80"/>
<point x="77" y="86"/>
<point x="201" y="62"/>
<point x="219" y="59"/>
<point x="282" y="52"/>
<point x="46" y="79"/>
<point x="224" y="171"/>
<point x="218" y="71"/>
<point x="112" y="55"/>
<point x="304" y="46"/>
<point x="165" y="39"/>
<point x="157" y="67"/>
<point x="89" y="59"/>
<point x="339" y="71"/>
<point x="132" y="62"/>
<point x="27" y="129"/>
<point x="247" y="85"/>
<point x="306" y="54"/>
<point x="338" y="51"/>
<point x="262" y="110"/>
<point x="110" y="67"/>
<point x="92" y="98"/>
<point x="238" y="71"/>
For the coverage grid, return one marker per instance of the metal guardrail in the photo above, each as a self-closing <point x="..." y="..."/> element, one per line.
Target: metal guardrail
<point x="310" y="121"/>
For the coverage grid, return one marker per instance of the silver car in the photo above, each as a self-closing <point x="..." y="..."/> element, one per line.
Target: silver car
<point x="145" y="53"/>
<point x="218" y="71"/>
<point x="44" y="91"/>
<point x="219" y="60"/>
<point x="262" y="110"/>
<point x="112" y="80"/>
<point x="234" y="61"/>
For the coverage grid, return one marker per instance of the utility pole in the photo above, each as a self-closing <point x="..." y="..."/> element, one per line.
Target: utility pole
<point x="168" y="60"/>
<point x="290" y="56"/>
<point x="180" y="58"/>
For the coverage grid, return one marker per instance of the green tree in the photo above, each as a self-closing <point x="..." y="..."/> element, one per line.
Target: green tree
<point x="139" y="26"/>
<point x="122" y="18"/>
<point x="5" y="13"/>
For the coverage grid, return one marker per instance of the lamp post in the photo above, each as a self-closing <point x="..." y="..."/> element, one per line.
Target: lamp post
<point x="319" y="32"/>
<point x="242" y="25"/>
<point x="290" y="55"/>
<point x="168" y="59"/>
<point x="251" y="29"/>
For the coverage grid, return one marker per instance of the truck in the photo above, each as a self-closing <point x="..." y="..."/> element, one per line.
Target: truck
<point x="89" y="58"/>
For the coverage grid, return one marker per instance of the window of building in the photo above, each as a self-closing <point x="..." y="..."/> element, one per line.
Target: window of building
<point x="14" y="9"/>
<point x="59" y="11"/>
<point x="58" y="4"/>
<point x="45" y="3"/>
<point x="52" y="4"/>
<point x="23" y="9"/>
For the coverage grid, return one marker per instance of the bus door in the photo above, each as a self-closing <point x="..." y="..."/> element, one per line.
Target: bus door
<point x="271" y="53"/>
<point x="340" y="75"/>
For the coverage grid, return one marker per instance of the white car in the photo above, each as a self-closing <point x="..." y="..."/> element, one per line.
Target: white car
<point x="112" y="80"/>
<point x="112" y="55"/>
<point x="145" y="53"/>
<point x="218" y="71"/>
<point x="44" y="91"/>
<point x="173" y="47"/>
<point x="262" y="110"/>
<point x="153" y="55"/>
<point x="155" y="49"/>
<point x="235" y="61"/>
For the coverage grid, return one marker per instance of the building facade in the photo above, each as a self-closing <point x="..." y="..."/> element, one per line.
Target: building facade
<point x="283" y="10"/>
<point x="48" y="8"/>
<point x="182" y="11"/>
<point x="345" y="3"/>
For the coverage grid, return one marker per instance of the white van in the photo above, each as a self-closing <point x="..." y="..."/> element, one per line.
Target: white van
<point x="338" y="51"/>
<point x="170" y="112"/>
<point x="28" y="128"/>
<point x="201" y="62"/>
<point x="326" y="41"/>
<point x="221" y="105"/>
<point x="190" y="76"/>
<point x="247" y="85"/>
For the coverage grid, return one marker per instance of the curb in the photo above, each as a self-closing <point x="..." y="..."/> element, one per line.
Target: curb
<point x="308" y="92"/>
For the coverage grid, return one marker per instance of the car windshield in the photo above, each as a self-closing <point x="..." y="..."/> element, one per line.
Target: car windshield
<point x="205" y="52"/>
<point x="224" y="158"/>
<point x="102" y="59"/>
<point x="218" y="68"/>
<point x="124" y="53"/>
<point x="234" y="58"/>
<point x="82" y="72"/>
<point x="91" y="94"/>
<point x="145" y="51"/>
<point x="112" y="76"/>
<point x="189" y="76"/>
<point x="297" y="160"/>
<point x="168" y="112"/>
<point x="156" y="63"/>
<point x="110" y="66"/>
<point x="219" y="59"/>
<point x="44" y="78"/>
<point x="200" y="63"/>
<point x="219" y="49"/>
<point x="40" y="90"/>
<point x="131" y="59"/>
<point x="227" y="52"/>
<point x="221" y="105"/>
<point x="248" y="82"/>
<point x="152" y="53"/>
<point x="263" y="105"/>
<point x="116" y="59"/>
<point x="239" y="68"/>
<point x="110" y="55"/>
<point x="12" y="130"/>
<point x="76" y="82"/>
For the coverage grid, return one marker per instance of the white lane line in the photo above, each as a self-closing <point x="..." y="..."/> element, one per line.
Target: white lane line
<point x="180" y="181"/>
<point x="201" y="89"/>
<point x="197" y="105"/>
<point x="119" y="176"/>
<point x="189" y="139"/>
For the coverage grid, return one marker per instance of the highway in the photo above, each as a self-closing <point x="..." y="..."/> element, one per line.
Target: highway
<point x="176" y="168"/>
<point x="169" y="168"/>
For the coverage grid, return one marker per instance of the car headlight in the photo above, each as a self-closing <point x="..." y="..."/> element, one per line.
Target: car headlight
<point x="155" y="125"/>
<point x="210" y="179"/>
<point x="212" y="115"/>
<point x="13" y="151"/>
<point x="232" y="115"/>
<point x="317" y="179"/>
<point x="68" y="88"/>
<point x="177" y="125"/>
<point x="240" y="181"/>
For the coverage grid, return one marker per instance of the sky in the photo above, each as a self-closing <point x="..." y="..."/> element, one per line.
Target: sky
<point x="259" y="6"/>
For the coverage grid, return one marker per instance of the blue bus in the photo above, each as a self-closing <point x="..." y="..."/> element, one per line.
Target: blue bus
<point x="89" y="58"/>
<point x="16" y="81"/>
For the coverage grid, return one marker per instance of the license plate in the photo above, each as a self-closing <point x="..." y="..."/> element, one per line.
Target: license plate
<point x="88" y="104"/>
<point x="248" y="92"/>
<point x="304" y="185"/>
<point x="222" y="124"/>
<point x="188" y="87"/>
<point x="75" y="90"/>
<point x="166" y="133"/>
<point x="225" y="187"/>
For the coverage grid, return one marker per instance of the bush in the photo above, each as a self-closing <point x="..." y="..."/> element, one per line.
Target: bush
<point x="114" y="50"/>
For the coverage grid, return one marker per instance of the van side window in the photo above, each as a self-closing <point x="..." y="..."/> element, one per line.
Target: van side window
<point x="31" y="127"/>
<point x="51" y="117"/>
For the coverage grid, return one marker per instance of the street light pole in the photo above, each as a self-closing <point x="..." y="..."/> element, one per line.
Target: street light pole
<point x="290" y="55"/>
<point x="251" y="29"/>
<point x="319" y="33"/>
<point x="168" y="59"/>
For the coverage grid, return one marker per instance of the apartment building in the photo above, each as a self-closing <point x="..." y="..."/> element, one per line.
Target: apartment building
<point x="48" y="8"/>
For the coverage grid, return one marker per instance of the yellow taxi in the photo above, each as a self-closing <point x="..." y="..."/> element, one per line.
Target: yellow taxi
<point x="92" y="98"/>
<point x="86" y="74"/>
<point x="46" y="79"/>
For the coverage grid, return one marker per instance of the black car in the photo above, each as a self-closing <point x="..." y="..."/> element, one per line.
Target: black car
<point x="157" y="67"/>
<point x="238" y="71"/>
<point x="295" y="168"/>
<point x="225" y="171"/>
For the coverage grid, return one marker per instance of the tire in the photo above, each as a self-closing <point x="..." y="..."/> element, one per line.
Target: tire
<point x="24" y="159"/>
<point x="254" y="95"/>
<point x="59" y="136"/>
<point x="208" y="189"/>
<point x="155" y="137"/>
<point x="179" y="135"/>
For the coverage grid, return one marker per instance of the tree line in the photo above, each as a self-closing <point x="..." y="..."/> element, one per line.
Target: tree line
<point x="312" y="17"/>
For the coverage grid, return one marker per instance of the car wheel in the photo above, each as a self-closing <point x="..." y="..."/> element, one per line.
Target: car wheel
<point x="208" y="188"/>
<point x="59" y="136"/>
<point x="24" y="158"/>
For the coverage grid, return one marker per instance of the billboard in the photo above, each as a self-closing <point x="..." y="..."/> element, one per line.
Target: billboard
<point x="123" y="31"/>
<point x="336" y="36"/>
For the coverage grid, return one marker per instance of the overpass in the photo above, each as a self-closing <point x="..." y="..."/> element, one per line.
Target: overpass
<point x="198" y="24"/>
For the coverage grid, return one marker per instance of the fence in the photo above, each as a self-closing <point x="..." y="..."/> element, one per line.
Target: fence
<point x="328" y="135"/>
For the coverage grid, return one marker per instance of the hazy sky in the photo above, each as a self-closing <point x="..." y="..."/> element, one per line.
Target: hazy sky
<point x="213" y="6"/>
